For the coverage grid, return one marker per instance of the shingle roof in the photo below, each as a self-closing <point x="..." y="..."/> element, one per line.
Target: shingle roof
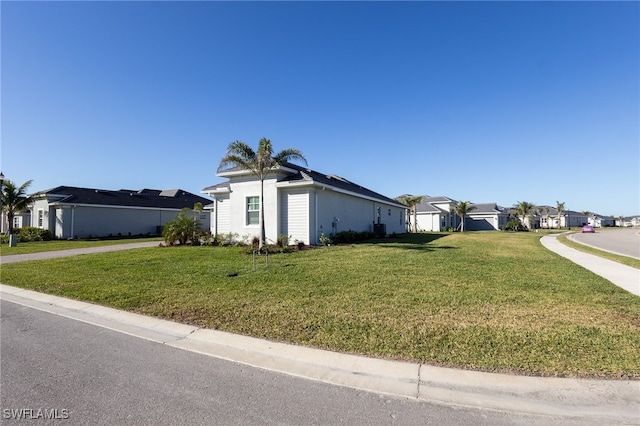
<point x="154" y="198"/>
<point x="305" y="174"/>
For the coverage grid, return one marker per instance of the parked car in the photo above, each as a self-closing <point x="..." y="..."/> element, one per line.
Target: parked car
<point x="588" y="228"/>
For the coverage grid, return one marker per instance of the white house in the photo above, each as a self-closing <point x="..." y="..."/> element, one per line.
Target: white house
<point x="434" y="214"/>
<point x="300" y="203"/>
<point x="71" y="212"/>
<point x="486" y="217"/>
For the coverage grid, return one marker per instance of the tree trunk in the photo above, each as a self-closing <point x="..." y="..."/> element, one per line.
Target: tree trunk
<point x="262" y="231"/>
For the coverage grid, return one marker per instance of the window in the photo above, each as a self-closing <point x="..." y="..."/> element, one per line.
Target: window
<point x="40" y="218"/>
<point x="253" y="210"/>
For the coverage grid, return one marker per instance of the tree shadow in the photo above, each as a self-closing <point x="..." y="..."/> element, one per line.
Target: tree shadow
<point x="420" y="241"/>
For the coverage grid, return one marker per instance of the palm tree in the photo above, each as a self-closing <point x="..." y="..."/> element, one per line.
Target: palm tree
<point x="412" y="201"/>
<point x="260" y="163"/>
<point x="14" y="199"/>
<point x="560" y="209"/>
<point x="524" y="209"/>
<point x="462" y="210"/>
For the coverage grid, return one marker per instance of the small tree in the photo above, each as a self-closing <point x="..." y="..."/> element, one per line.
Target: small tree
<point x="462" y="210"/>
<point x="524" y="209"/>
<point x="14" y="200"/>
<point x="259" y="163"/>
<point x="412" y="202"/>
<point x="560" y="209"/>
<point x="181" y="229"/>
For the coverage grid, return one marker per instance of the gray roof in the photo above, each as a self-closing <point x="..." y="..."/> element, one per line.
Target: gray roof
<point x="301" y="174"/>
<point x="487" y="208"/>
<point x="153" y="198"/>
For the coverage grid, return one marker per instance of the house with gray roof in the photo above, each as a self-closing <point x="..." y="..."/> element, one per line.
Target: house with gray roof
<point x="486" y="217"/>
<point x="73" y="212"/>
<point x="434" y="214"/>
<point x="300" y="203"/>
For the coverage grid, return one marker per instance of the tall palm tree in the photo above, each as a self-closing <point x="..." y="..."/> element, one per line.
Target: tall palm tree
<point x="412" y="202"/>
<point x="524" y="209"/>
<point x="14" y="199"/>
<point x="462" y="210"/>
<point x="260" y="163"/>
<point x="560" y="209"/>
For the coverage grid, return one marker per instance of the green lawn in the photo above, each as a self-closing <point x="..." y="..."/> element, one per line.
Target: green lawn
<point x="484" y="301"/>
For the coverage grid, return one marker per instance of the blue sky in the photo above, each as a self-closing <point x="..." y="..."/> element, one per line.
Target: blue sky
<point x="481" y="101"/>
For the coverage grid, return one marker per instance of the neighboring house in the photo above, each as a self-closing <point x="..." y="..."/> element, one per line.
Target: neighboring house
<point x="301" y="204"/>
<point x="599" y="221"/>
<point x="569" y="218"/>
<point x="629" y="221"/>
<point x="20" y="220"/>
<point x="434" y="214"/>
<point x="486" y="217"/>
<point x="71" y="212"/>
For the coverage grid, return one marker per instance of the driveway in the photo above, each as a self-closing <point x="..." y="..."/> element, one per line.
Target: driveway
<point x="620" y="241"/>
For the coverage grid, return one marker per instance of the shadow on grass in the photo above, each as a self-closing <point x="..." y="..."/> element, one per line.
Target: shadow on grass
<point x="420" y="241"/>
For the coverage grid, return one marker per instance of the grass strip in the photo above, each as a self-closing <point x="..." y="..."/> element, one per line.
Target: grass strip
<point x="625" y="260"/>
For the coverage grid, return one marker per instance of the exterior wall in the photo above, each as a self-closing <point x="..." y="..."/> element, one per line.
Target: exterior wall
<point x="337" y="212"/>
<point x="296" y="214"/>
<point x="429" y="222"/>
<point x="221" y="216"/>
<point x="245" y="187"/>
<point x="104" y="221"/>
<point x="484" y="222"/>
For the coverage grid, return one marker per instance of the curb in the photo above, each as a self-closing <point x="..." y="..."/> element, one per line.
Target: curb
<point x="604" y="401"/>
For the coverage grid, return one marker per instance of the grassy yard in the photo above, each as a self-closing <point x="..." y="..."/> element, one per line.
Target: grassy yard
<point x="483" y="301"/>
<point x="41" y="246"/>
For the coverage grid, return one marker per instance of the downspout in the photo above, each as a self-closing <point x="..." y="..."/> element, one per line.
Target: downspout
<point x="73" y="217"/>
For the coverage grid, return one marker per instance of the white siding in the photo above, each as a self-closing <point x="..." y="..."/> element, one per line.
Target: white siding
<point x="295" y="215"/>
<point x="223" y="216"/>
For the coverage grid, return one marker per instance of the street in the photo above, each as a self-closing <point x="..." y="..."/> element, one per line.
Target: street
<point x="622" y="241"/>
<point x="83" y="374"/>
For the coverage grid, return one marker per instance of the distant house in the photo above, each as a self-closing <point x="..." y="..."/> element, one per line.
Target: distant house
<point x="547" y="217"/>
<point x="71" y="212"/>
<point x="486" y="217"/>
<point x="301" y="204"/>
<point x="434" y="214"/>
<point x="599" y="221"/>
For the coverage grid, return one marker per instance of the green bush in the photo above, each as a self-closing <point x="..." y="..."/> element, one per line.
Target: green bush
<point x="31" y="233"/>
<point x="514" y="225"/>
<point x="182" y="229"/>
<point x="348" y="237"/>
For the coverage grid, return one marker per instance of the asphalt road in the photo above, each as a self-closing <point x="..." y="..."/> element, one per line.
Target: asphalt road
<point x="621" y="241"/>
<point x="84" y="374"/>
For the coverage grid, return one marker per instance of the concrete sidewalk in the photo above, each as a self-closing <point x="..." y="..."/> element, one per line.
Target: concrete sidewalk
<point x="74" y="252"/>
<point x="621" y="275"/>
<point x="588" y="401"/>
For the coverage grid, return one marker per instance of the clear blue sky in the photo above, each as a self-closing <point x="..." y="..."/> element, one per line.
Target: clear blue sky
<point x="481" y="101"/>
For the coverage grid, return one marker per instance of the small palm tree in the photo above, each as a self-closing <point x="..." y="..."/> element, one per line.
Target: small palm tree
<point x="524" y="209"/>
<point x="462" y="210"/>
<point x="412" y="202"/>
<point x="260" y="163"/>
<point x="14" y="200"/>
<point x="560" y="209"/>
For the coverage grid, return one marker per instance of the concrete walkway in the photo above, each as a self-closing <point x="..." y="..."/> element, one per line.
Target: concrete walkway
<point x="592" y="401"/>
<point x="621" y="275"/>
<point x="74" y="252"/>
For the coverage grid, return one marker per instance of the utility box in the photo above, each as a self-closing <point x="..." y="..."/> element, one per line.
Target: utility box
<point x="379" y="230"/>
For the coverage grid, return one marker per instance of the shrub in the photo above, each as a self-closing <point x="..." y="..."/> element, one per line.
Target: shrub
<point x="181" y="229"/>
<point x="31" y="233"/>
<point x="348" y="237"/>
<point x="514" y="225"/>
